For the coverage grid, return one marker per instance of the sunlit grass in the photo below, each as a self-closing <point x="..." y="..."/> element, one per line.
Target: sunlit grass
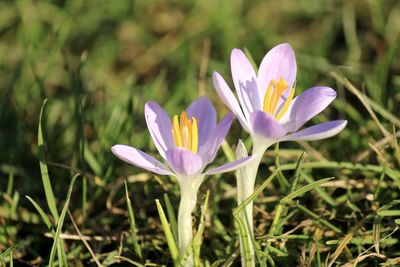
<point x="98" y="62"/>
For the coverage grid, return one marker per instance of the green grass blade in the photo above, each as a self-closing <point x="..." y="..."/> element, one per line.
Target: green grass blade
<point x="14" y="205"/>
<point x="242" y="225"/>
<point x="11" y="259"/>
<point x="10" y="184"/>
<point x="305" y="189"/>
<point x="42" y="214"/>
<point x="297" y="173"/>
<point x="61" y="222"/>
<point x="132" y="222"/>
<point x="344" y="165"/>
<point x="281" y="206"/>
<point x="256" y="193"/>
<point x="171" y="218"/>
<point x="7" y="252"/>
<point x="324" y="195"/>
<point x="168" y="234"/>
<point x="316" y="217"/>
<point x="90" y="158"/>
<point x="229" y="154"/>
<point x="198" y="238"/>
<point x="44" y="171"/>
<point x="389" y="213"/>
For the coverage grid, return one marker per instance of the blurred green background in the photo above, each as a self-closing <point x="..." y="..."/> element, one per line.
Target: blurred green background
<point x="97" y="62"/>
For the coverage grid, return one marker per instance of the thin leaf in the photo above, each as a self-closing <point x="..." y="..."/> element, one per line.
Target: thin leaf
<point x="44" y="171"/>
<point x="61" y="222"/>
<point x="389" y="213"/>
<point x="305" y="189"/>
<point x="198" y="238"/>
<point x="42" y="214"/>
<point x="135" y="242"/>
<point x="324" y="195"/>
<point x="7" y="252"/>
<point x="168" y="234"/>
<point x="171" y="218"/>
<point x="230" y="156"/>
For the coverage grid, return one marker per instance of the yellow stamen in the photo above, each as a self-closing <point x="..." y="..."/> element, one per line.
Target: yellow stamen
<point x="176" y="132"/>
<point x="195" y="136"/>
<point x="285" y="106"/>
<point x="280" y="87"/>
<point x="267" y="96"/>
<point x="272" y="96"/>
<point x="185" y="132"/>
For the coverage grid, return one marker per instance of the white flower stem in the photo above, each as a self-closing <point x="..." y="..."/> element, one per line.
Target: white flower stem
<point x="245" y="178"/>
<point x="185" y="228"/>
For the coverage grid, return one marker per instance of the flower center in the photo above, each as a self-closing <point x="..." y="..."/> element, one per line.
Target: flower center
<point x="185" y="132"/>
<point x="272" y="96"/>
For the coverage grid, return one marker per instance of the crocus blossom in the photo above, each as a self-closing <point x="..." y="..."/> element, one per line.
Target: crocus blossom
<point x="268" y="110"/>
<point x="187" y="143"/>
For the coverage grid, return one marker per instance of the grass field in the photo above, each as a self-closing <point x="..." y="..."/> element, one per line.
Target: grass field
<point x="97" y="62"/>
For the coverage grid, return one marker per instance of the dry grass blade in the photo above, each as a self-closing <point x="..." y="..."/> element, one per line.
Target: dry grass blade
<point x="317" y="237"/>
<point x="340" y="248"/>
<point x="377" y="233"/>
<point x="84" y="240"/>
<point x="381" y="143"/>
<point x="360" y="259"/>
<point x="87" y="238"/>
<point x="363" y="99"/>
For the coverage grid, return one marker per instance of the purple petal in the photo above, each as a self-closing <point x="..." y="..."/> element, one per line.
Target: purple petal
<point x="306" y="106"/>
<point x="184" y="162"/>
<point x="245" y="80"/>
<point x="266" y="126"/>
<point x="160" y="127"/>
<point x="140" y="159"/>
<point x="204" y="111"/>
<point x="278" y="62"/>
<point x="209" y="150"/>
<point x="231" y="166"/>
<point x="229" y="99"/>
<point x="317" y="132"/>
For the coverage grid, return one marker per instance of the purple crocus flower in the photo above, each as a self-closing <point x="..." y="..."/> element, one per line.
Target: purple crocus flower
<point x="188" y="144"/>
<point x="267" y="109"/>
<point x="269" y="113"/>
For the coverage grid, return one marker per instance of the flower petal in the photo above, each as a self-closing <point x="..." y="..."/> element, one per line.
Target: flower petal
<point x="278" y="62"/>
<point x="231" y="166"/>
<point x="140" y="159"/>
<point x="306" y="106"/>
<point x="245" y="80"/>
<point x="160" y="127"/>
<point x="317" y="132"/>
<point x="210" y="148"/>
<point x="204" y="111"/>
<point x="266" y="126"/>
<point x="229" y="99"/>
<point x="184" y="162"/>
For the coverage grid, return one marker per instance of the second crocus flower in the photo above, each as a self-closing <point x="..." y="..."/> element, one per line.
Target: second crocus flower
<point x="268" y="111"/>
<point x="187" y="143"/>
